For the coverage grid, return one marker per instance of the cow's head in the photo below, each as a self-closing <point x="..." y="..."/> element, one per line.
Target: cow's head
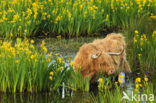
<point x="90" y="59"/>
<point x="105" y="62"/>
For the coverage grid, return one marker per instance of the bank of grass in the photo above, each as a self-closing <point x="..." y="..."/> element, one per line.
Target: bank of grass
<point x="23" y="67"/>
<point x="67" y="17"/>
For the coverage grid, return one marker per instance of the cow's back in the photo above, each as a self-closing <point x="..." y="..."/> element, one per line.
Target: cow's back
<point x="111" y="43"/>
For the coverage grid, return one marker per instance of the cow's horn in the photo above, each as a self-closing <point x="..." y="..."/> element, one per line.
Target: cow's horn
<point x="115" y="54"/>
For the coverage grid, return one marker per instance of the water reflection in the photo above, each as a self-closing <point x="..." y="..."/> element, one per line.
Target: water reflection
<point x="53" y="97"/>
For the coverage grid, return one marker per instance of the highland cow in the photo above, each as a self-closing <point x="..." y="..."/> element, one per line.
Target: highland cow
<point x="106" y="55"/>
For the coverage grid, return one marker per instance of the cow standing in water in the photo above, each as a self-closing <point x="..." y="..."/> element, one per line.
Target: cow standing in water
<point x="102" y="55"/>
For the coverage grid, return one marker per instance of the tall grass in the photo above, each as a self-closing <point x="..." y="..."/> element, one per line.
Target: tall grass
<point x="69" y="17"/>
<point x="23" y="67"/>
<point x="141" y="40"/>
<point x="26" y="68"/>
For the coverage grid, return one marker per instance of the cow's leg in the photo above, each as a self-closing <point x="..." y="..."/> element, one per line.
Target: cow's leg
<point x="94" y="78"/>
<point x="127" y="69"/>
<point x="89" y="75"/>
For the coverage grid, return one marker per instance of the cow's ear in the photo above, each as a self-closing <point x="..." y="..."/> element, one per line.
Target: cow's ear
<point x="96" y="55"/>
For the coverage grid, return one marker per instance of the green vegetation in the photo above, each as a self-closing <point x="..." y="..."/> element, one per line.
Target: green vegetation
<point x="142" y="88"/>
<point x="27" y="67"/>
<point x="23" y="67"/>
<point x="70" y="17"/>
<point x="141" y="44"/>
<point x="143" y="52"/>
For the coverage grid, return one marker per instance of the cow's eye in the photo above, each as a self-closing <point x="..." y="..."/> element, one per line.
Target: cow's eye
<point x="95" y="56"/>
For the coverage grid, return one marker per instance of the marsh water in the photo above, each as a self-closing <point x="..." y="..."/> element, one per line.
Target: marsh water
<point x="53" y="97"/>
<point x="62" y="95"/>
<point x="67" y="48"/>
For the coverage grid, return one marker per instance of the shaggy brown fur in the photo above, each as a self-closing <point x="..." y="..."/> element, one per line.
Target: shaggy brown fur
<point x="104" y="63"/>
